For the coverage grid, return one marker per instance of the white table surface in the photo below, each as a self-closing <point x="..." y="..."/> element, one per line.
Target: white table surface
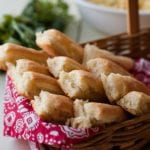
<point x="87" y="33"/>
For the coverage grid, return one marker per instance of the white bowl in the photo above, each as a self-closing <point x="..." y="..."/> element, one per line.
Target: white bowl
<point x="107" y="19"/>
<point x="12" y="7"/>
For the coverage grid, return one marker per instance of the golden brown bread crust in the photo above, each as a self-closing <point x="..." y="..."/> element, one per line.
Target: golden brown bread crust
<point x="90" y="114"/>
<point x="116" y="86"/>
<point x="91" y="52"/>
<point x="23" y="65"/>
<point x="98" y="66"/>
<point x="56" y="43"/>
<point x="104" y="113"/>
<point x="136" y="103"/>
<point x="62" y="63"/>
<point x="31" y="83"/>
<point x="2" y="65"/>
<point x="52" y="107"/>
<point x="11" y="52"/>
<point x="81" y="84"/>
<point x="24" y="85"/>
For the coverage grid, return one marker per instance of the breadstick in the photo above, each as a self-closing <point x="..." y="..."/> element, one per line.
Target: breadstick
<point x="91" y="52"/>
<point x="52" y="107"/>
<point x="56" y="43"/>
<point x="90" y="114"/>
<point x="11" y="52"/>
<point x="136" y="103"/>
<point x="23" y="65"/>
<point x="81" y="84"/>
<point x="61" y="63"/>
<point x="31" y="83"/>
<point x="116" y="86"/>
<point x="98" y="66"/>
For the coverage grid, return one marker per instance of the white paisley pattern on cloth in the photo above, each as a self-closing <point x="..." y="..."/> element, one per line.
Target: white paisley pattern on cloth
<point x="75" y="133"/>
<point x="22" y="109"/>
<point x="19" y="126"/>
<point x="141" y="71"/>
<point x="143" y="65"/>
<point x="20" y="99"/>
<point x="31" y="120"/>
<point x="40" y="137"/>
<point x="26" y="135"/>
<point x="54" y="133"/>
<point x="8" y="95"/>
<point x="10" y="118"/>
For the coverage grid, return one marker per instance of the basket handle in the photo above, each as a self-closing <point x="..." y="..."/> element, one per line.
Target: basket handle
<point x="132" y="17"/>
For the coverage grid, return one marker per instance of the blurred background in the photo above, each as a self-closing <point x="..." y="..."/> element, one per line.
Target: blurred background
<point x="75" y="26"/>
<point x="83" y="20"/>
<point x="109" y="16"/>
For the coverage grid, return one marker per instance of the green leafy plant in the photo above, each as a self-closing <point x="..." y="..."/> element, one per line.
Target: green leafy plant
<point x="38" y="15"/>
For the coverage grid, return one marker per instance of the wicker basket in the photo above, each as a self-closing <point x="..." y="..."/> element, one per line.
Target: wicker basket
<point x="135" y="45"/>
<point x="133" y="134"/>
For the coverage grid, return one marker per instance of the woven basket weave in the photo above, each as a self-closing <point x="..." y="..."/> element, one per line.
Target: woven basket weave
<point x="133" y="134"/>
<point x="135" y="46"/>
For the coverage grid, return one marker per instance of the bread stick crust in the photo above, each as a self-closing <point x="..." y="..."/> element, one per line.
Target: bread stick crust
<point x="91" y="52"/>
<point x="136" y="103"/>
<point x="98" y="66"/>
<point x="91" y="114"/>
<point x="11" y="52"/>
<point x="116" y="86"/>
<point x="24" y="65"/>
<point x="62" y="63"/>
<point x="56" y="43"/>
<point x="105" y="113"/>
<point x="52" y="107"/>
<point x="82" y="84"/>
<point x="33" y="83"/>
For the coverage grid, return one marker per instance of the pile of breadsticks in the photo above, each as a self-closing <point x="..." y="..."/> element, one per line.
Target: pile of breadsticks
<point x="68" y="84"/>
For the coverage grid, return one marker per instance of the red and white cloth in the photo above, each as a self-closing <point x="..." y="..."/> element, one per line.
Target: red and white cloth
<point x="141" y="71"/>
<point x="21" y="122"/>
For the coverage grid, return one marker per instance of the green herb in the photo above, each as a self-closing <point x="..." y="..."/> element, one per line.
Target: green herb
<point x="38" y="15"/>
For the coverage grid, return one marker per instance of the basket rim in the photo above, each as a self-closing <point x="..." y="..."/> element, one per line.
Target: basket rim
<point x="123" y="35"/>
